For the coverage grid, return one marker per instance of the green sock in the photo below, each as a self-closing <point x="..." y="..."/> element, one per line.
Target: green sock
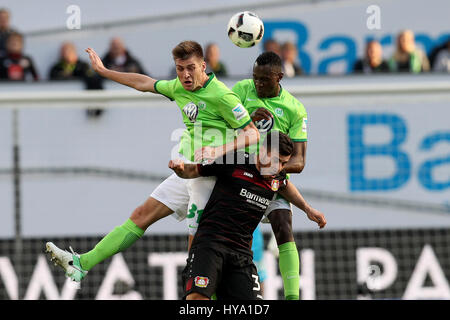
<point x="119" y="239"/>
<point x="289" y="268"/>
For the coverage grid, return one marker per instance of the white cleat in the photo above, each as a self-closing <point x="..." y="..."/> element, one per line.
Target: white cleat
<point x="70" y="262"/>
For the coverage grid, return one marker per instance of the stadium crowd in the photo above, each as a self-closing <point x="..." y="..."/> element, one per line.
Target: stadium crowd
<point x="17" y="65"/>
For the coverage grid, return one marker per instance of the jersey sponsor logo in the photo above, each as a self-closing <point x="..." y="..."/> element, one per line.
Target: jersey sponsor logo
<point x="264" y="125"/>
<point x="305" y="122"/>
<point x="275" y="185"/>
<point x="201" y="282"/>
<point x="248" y="174"/>
<point x="239" y="112"/>
<point x="254" y="197"/>
<point x="191" y="111"/>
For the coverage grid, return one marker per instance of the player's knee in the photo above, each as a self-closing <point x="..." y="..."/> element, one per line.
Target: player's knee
<point x="281" y="221"/>
<point x="196" y="296"/>
<point x="149" y="212"/>
<point x="140" y="217"/>
<point x="144" y="216"/>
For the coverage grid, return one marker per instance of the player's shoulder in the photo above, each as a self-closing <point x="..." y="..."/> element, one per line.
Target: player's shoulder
<point x="169" y="83"/>
<point x="292" y="102"/>
<point x="244" y="89"/>
<point x="168" y="88"/>
<point x="245" y="83"/>
<point x="219" y="88"/>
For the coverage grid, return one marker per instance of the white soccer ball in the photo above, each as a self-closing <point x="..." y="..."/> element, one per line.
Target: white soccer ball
<point x="245" y="29"/>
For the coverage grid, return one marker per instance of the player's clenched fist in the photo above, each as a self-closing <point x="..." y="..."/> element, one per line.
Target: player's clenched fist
<point x="261" y="113"/>
<point x="177" y="165"/>
<point x="185" y="171"/>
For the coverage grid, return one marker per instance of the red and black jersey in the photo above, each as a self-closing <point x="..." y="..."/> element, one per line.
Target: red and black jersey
<point x="17" y="67"/>
<point x="237" y="203"/>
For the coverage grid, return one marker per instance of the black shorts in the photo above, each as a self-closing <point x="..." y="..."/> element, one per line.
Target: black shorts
<point x="214" y="268"/>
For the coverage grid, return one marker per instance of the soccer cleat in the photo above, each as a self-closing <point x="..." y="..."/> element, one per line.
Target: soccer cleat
<point x="70" y="262"/>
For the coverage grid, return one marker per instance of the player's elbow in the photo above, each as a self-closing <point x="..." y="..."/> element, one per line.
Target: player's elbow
<point x="296" y="167"/>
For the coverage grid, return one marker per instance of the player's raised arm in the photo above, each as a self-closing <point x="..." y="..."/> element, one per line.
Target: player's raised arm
<point x="134" y="80"/>
<point x="184" y="170"/>
<point x="291" y="194"/>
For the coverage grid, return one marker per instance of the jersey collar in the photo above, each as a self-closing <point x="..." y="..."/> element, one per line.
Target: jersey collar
<point x="211" y="76"/>
<point x="279" y="93"/>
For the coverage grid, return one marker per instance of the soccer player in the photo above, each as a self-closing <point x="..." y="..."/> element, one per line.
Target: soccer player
<point x="274" y="108"/>
<point x="220" y="257"/>
<point x="210" y="112"/>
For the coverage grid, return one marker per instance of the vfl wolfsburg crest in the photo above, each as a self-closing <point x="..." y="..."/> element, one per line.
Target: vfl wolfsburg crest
<point x="191" y="111"/>
<point x="279" y="112"/>
<point x="201" y="105"/>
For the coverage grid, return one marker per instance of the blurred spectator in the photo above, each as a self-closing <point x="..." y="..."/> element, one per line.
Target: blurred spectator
<point x="373" y="60"/>
<point x="70" y="67"/>
<point x="119" y="59"/>
<point x="289" y="55"/>
<point x="442" y="60"/>
<point x="272" y="46"/>
<point x="212" y="59"/>
<point x="434" y="51"/>
<point x="5" y="29"/>
<point x="408" y="58"/>
<point x="14" y="65"/>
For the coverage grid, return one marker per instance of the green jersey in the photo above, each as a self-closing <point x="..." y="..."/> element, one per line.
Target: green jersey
<point x="209" y="113"/>
<point x="289" y="114"/>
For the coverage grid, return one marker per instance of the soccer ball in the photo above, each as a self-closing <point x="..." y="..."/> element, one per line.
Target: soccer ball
<point x="245" y="29"/>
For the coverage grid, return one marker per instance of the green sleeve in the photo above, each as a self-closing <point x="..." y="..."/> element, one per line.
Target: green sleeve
<point x="233" y="112"/>
<point x="166" y="88"/>
<point x="298" y="130"/>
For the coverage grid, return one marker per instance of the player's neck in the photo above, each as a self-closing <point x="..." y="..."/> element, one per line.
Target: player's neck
<point x="205" y="79"/>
